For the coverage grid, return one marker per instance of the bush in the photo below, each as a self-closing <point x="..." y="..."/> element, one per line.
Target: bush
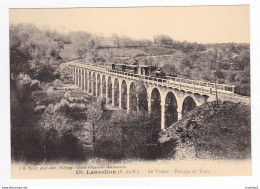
<point x="73" y="110"/>
<point x="25" y="86"/>
<point x="170" y="70"/>
<point x="26" y="144"/>
<point x="109" y="149"/>
<point x="220" y="74"/>
<point x="243" y="89"/>
<point x="132" y="135"/>
<point x="63" y="130"/>
<point x="70" y="147"/>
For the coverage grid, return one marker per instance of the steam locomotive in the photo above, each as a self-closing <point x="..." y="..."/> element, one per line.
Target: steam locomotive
<point x="145" y="70"/>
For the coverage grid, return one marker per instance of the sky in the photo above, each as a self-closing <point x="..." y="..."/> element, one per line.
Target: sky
<point x="202" y="24"/>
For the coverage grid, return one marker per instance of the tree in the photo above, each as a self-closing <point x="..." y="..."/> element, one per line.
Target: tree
<point x="216" y="58"/>
<point x="220" y="74"/>
<point x="82" y="42"/>
<point x="94" y="113"/>
<point x="186" y="63"/>
<point x="187" y="72"/>
<point x="33" y="52"/>
<point x="163" y="40"/>
<point x="170" y="70"/>
<point x="244" y="59"/>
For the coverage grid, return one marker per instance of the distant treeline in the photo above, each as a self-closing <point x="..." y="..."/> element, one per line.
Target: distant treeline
<point x="38" y="53"/>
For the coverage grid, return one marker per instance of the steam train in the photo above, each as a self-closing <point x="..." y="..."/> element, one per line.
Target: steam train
<point x="145" y="70"/>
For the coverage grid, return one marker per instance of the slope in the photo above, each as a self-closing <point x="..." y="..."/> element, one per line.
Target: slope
<point x="211" y="132"/>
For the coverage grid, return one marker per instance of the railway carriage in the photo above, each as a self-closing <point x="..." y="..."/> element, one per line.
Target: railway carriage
<point x="144" y="70"/>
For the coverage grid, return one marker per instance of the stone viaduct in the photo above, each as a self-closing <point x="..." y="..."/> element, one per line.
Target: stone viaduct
<point x="170" y="98"/>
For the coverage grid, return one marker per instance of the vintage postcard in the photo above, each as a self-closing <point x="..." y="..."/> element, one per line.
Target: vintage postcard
<point x="130" y="92"/>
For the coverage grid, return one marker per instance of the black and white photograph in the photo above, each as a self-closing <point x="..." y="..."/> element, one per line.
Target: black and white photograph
<point x="117" y="91"/>
<point x="130" y="92"/>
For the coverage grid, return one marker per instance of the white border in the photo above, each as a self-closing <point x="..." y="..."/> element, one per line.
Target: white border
<point x="198" y="182"/>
